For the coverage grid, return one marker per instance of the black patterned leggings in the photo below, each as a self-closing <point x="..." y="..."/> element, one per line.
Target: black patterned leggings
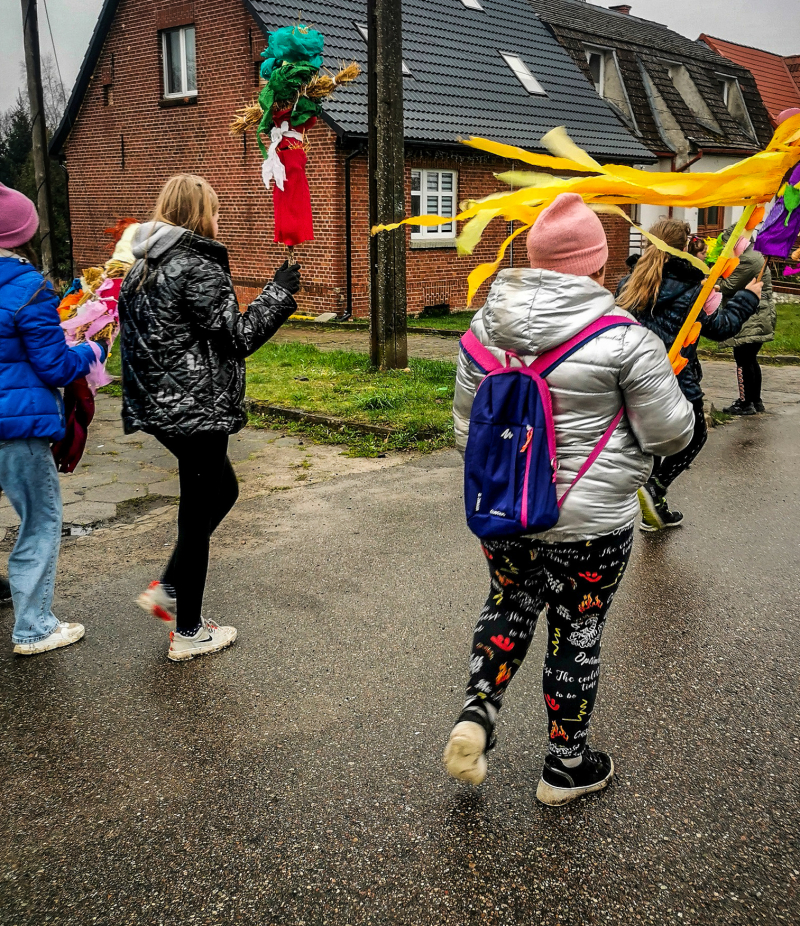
<point x="576" y="583"/>
<point x="667" y="469"/>
<point x="748" y="371"/>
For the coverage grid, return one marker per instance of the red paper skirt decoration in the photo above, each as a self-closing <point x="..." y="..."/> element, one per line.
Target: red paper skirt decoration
<point x="294" y="222"/>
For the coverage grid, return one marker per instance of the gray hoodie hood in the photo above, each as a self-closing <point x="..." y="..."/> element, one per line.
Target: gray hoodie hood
<point x="153" y="239"/>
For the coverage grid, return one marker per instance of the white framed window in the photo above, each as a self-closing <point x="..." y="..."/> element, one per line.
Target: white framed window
<point x="725" y="88"/>
<point x="364" y="30"/>
<point x="597" y="67"/>
<point x="523" y="74"/>
<point x="434" y="192"/>
<point x="180" y="62"/>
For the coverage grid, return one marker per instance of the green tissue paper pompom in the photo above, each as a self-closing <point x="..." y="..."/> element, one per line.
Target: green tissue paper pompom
<point x="285" y="81"/>
<point x="293" y="44"/>
<point x="791" y="200"/>
<point x="715" y="250"/>
<point x="304" y="110"/>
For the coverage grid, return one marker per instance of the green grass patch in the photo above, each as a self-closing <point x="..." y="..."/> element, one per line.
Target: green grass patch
<point x="114" y="367"/>
<point x="456" y="321"/>
<point x="343" y="384"/>
<point x="787" y="333"/>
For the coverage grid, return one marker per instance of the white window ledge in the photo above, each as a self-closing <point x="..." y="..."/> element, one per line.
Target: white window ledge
<point x="423" y="244"/>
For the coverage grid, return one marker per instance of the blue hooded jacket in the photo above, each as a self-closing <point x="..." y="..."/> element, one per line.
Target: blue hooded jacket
<point x="34" y="356"/>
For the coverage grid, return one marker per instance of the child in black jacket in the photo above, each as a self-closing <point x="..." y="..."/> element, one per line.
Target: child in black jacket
<point x="661" y="291"/>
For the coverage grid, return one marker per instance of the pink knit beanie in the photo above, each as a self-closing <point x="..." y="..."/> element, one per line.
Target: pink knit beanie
<point x="18" y="218"/>
<point x="568" y="238"/>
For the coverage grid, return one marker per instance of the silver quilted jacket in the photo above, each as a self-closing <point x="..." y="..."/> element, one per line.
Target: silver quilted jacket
<point x="531" y="311"/>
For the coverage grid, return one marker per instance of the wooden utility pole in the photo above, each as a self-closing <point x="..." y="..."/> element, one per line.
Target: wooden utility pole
<point x="387" y="250"/>
<point x="41" y="160"/>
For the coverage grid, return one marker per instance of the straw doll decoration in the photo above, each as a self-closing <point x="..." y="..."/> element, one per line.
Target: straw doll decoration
<point x="287" y="107"/>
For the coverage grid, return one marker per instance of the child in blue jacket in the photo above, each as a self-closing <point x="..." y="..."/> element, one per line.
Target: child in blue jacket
<point x="34" y="362"/>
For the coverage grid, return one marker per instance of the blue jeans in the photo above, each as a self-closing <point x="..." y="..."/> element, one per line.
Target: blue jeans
<point x="29" y="479"/>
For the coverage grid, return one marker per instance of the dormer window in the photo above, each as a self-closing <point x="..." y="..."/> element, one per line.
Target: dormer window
<point x="607" y="80"/>
<point x="597" y="67"/>
<point x="692" y="97"/>
<point x="734" y="102"/>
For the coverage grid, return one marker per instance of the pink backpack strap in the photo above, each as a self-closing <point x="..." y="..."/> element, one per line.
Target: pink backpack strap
<point x="594" y="454"/>
<point x="480" y="355"/>
<point x="545" y="362"/>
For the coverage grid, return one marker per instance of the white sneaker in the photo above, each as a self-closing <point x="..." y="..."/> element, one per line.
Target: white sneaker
<point x="464" y="756"/>
<point x="63" y="635"/>
<point x="158" y="603"/>
<point x="208" y="639"/>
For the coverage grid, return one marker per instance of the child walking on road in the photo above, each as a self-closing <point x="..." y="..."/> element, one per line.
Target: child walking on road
<point x="574" y="569"/>
<point x="756" y="331"/>
<point x="660" y="292"/>
<point x="34" y="362"/>
<point x="183" y="344"/>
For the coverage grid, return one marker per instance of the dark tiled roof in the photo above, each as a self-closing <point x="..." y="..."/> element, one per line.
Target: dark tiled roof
<point x="460" y="85"/>
<point x="641" y="43"/>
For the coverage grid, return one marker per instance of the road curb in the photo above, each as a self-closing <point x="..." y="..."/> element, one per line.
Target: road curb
<point x="328" y="421"/>
<point x="777" y="360"/>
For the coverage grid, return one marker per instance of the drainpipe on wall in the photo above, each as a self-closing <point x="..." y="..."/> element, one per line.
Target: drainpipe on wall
<point x="62" y="163"/>
<point x="348" y="235"/>
<point x="694" y="160"/>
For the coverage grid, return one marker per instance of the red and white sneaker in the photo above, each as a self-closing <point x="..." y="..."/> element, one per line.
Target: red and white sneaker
<point x="209" y="638"/>
<point x="158" y="603"/>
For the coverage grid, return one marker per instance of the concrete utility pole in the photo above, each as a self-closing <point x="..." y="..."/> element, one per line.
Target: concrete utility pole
<point x="387" y="251"/>
<point x="41" y="161"/>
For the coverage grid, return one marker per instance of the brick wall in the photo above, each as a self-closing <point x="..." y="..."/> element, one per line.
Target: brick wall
<point x="126" y="142"/>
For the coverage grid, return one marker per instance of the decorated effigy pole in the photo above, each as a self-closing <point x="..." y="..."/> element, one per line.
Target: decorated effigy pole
<point x="287" y="107"/>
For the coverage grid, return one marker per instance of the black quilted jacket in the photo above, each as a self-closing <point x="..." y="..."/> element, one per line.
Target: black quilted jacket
<point x="183" y="340"/>
<point x="681" y="284"/>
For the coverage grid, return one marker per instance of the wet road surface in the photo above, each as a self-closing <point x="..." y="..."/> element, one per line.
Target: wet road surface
<point x="296" y="778"/>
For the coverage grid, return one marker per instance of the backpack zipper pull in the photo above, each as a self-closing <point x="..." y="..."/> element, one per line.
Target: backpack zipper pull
<point x="528" y="439"/>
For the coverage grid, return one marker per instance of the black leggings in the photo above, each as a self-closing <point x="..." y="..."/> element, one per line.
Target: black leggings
<point x="576" y="582"/>
<point x="667" y="469"/>
<point x="208" y="492"/>
<point x="748" y="372"/>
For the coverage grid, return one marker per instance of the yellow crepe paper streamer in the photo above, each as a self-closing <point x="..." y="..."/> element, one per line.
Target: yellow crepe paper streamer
<point x="746" y="183"/>
<point x="482" y="272"/>
<point x="657" y="242"/>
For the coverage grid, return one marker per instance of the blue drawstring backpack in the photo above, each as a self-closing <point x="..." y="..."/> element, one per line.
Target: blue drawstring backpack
<point x="510" y="462"/>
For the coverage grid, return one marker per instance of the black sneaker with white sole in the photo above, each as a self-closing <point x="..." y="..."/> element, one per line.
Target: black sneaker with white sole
<point x="759" y="407"/>
<point x="656" y="513"/>
<point x="560" y="785"/>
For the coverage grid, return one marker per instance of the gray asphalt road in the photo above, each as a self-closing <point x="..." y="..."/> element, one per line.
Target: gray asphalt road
<point x="296" y="778"/>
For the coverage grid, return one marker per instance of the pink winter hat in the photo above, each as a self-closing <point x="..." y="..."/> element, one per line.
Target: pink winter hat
<point x="18" y="218"/>
<point x="568" y="238"/>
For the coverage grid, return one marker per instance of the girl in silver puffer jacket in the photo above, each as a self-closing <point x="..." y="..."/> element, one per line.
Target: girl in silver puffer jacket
<point x="575" y="568"/>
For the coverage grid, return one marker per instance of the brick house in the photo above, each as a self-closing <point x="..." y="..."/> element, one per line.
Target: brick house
<point x="161" y="80"/>
<point x="693" y="110"/>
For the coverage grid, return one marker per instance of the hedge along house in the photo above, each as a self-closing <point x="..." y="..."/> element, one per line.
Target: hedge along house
<point x="693" y="110"/>
<point x="161" y="81"/>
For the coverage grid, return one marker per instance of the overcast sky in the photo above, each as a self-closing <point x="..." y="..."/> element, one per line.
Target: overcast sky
<point x="768" y="24"/>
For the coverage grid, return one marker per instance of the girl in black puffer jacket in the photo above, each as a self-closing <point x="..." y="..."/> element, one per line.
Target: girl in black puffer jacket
<point x="183" y="345"/>
<point x="661" y="292"/>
